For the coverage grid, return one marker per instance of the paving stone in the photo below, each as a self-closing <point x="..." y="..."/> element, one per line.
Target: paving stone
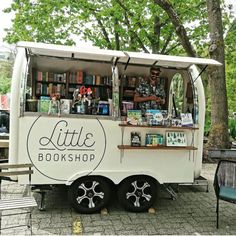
<point x="192" y="213"/>
<point x="90" y="229"/>
<point x="101" y="222"/>
<point x="118" y="226"/>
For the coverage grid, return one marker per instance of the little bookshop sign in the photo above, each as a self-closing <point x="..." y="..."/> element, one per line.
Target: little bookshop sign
<point x="77" y="143"/>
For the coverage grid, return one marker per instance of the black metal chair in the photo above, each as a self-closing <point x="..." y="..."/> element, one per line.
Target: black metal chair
<point x="225" y="184"/>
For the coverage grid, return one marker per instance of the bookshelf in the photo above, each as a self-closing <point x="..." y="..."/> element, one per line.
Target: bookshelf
<point x="128" y="87"/>
<point x="127" y="92"/>
<point x="160" y="127"/>
<point x="129" y="147"/>
<point x="47" y="83"/>
<point x="165" y="146"/>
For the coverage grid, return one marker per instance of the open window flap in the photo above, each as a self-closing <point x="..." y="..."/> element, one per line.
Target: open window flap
<point x="71" y="51"/>
<point x="165" y="60"/>
<point x="108" y="55"/>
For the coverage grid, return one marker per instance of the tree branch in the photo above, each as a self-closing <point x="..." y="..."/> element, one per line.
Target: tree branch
<point x="105" y="34"/>
<point x="172" y="48"/>
<point x="179" y="28"/>
<point x="138" y="23"/>
<point x="135" y="35"/>
<point x="117" y="38"/>
<point x="167" y="42"/>
<point x="157" y="32"/>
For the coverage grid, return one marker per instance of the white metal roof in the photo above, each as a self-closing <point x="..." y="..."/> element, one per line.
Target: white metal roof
<point x="67" y="51"/>
<point x="108" y="55"/>
<point x="167" y="61"/>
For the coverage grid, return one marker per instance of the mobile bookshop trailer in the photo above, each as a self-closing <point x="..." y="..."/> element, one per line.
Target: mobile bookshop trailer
<point x="73" y="117"/>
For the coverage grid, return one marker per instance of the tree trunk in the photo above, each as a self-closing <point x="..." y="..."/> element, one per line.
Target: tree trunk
<point x="219" y="137"/>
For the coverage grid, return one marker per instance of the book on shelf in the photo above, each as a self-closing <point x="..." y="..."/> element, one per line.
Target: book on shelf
<point x="65" y="106"/>
<point x="176" y="122"/>
<point x="38" y="88"/>
<point x="103" y="108"/>
<point x="186" y="119"/>
<point x="88" y="79"/>
<point x="98" y="80"/>
<point x="43" y="104"/>
<point x="44" y="89"/>
<point x="176" y="138"/>
<point x="154" y="117"/>
<point x="126" y="105"/>
<point x="135" y="139"/>
<point x="80" y="76"/>
<point x="71" y="77"/>
<point x="60" y="77"/>
<point x="50" y="88"/>
<point x="154" y="140"/>
<point x="39" y="75"/>
<point x="45" y="76"/>
<point x="134" y="117"/>
<point x="106" y="80"/>
<point x="132" y="81"/>
<point x="50" y="77"/>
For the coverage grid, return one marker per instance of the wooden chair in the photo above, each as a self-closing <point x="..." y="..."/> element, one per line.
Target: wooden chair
<point x="225" y="184"/>
<point x="25" y="203"/>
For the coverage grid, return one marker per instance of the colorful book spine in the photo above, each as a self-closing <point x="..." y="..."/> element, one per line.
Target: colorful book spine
<point x="80" y="76"/>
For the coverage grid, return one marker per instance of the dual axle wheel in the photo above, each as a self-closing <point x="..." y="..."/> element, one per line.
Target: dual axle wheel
<point x="91" y="194"/>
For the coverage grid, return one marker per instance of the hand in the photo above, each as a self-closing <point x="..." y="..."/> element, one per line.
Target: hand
<point x="153" y="98"/>
<point x="158" y="99"/>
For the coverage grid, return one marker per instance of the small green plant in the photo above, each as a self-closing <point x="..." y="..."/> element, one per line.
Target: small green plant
<point x="207" y="123"/>
<point x="232" y="128"/>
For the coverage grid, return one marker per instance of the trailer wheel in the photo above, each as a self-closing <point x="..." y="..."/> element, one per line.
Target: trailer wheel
<point x="89" y="194"/>
<point x="137" y="193"/>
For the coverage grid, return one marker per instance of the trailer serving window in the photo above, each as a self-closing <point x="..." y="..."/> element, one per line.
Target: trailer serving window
<point x="83" y="82"/>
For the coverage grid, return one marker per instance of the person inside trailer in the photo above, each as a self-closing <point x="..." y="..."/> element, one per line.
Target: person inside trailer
<point x="150" y="92"/>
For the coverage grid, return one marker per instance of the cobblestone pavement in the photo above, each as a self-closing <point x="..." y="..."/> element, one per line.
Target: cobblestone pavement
<point x="192" y="213"/>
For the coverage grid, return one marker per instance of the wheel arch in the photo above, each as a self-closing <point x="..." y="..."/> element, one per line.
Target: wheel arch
<point x="141" y="175"/>
<point x="116" y="180"/>
<point x="108" y="180"/>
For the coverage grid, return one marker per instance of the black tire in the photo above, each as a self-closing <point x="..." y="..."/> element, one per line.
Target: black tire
<point x="137" y="193"/>
<point x="89" y="194"/>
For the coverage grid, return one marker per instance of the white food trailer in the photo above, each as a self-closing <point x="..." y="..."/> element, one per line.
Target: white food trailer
<point x="90" y="152"/>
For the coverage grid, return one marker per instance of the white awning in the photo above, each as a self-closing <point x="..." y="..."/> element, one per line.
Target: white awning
<point x="166" y="60"/>
<point x="71" y="51"/>
<point x="95" y="54"/>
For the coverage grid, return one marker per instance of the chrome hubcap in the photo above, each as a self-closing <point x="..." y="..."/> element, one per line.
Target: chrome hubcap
<point x="89" y="194"/>
<point x="139" y="195"/>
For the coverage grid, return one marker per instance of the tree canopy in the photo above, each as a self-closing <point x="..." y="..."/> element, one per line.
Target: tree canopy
<point x="114" y="24"/>
<point x="174" y="27"/>
<point x="5" y="76"/>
